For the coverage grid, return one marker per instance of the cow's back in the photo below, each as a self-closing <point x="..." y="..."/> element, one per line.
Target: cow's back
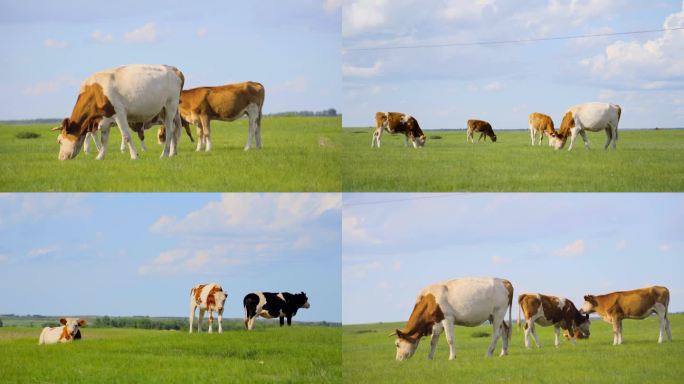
<point x="596" y="115"/>
<point x="472" y="299"/>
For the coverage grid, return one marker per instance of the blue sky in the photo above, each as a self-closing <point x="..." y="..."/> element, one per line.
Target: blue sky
<point x="292" y="47"/>
<point x="139" y="254"/>
<point x="563" y="244"/>
<point x="503" y="84"/>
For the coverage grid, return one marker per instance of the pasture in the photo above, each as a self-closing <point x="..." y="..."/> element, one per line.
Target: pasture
<point x="368" y="356"/>
<point x="299" y="154"/>
<point x="645" y="160"/>
<point x="300" y="354"/>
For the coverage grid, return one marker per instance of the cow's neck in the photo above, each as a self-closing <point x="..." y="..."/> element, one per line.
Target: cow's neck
<point x="425" y="314"/>
<point x="65" y="334"/>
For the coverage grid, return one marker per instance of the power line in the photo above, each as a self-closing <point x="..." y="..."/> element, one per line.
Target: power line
<point x="517" y="41"/>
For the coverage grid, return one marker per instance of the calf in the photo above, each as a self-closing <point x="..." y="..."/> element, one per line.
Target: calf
<point x="636" y="304"/>
<point x="270" y="305"/>
<point x="543" y="125"/>
<point x="483" y="127"/>
<point x="469" y="301"/>
<point x="550" y="310"/>
<point x="69" y="331"/>
<point x="397" y="122"/>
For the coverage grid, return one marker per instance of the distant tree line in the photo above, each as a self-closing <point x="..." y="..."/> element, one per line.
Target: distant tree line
<point x="141" y="322"/>
<point x="327" y="112"/>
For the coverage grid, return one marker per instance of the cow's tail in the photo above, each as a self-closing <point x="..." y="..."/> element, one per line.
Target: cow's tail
<point x="519" y="315"/>
<point x="510" y="317"/>
<point x="619" y="112"/>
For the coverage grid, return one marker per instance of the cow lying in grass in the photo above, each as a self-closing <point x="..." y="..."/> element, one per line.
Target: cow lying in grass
<point x="69" y="331"/>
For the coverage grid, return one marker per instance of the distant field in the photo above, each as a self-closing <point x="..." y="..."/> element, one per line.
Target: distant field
<point x="299" y="354"/>
<point x="298" y="154"/>
<point x="368" y="357"/>
<point x="645" y="160"/>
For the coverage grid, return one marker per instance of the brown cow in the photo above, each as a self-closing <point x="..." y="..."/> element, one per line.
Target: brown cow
<point x="229" y="102"/>
<point x="481" y="126"/>
<point x="397" y="122"/>
<point x="542" y="124"/>
<point x="636" y="304"/>
<point x="550" y="310"/>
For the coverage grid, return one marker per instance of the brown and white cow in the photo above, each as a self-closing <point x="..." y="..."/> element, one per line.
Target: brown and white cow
<point x="128" y="94"/>
<point x="592" y="117"/>
<point x="397" y="122"/>
<point x="207" y="297"/>
<point x="199" y="106"/>
<point x="577" y="334"/>
<point x="636" y="304"/>
<point x="483" y="127"/>
<point x="548" y="310"/>
<point x="467" y="301"/>
<point x="543" y="125"/>
<point x="69" y="331"/>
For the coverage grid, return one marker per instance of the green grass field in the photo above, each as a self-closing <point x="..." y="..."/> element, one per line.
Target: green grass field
<point x="299" y="354"/>
<point x="368" y="356"/>
<point x="645" y="160"/>
<point x="298" y="154"/>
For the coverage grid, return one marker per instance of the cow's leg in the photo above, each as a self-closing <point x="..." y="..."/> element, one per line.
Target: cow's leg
<point x="199" y="320"/>
<point x="667" y="325"/>
<point x="172" y="130"/>
<point x="496" y="328"/>
<point x="122" y="147"/>
<point x="504" y="338"/>
<point x="532" y="135"/>
<point x="289" y="320"/>
<point x="534" y="335"/>
<point x="616" y="330"/>
<point x="437" y="330"/>
<point x="86" y="143"/>
<point x="211" y="320"/>
<point x="192" y="313"/>
<point x="573" y="137"/>
<point x="206" y="127"/>
<point x="105" y="140"/>
<point x="541" y="137"/>
<point x="126" y="134"/>
<point x="141" y="136"/>
<point x="583" y="133"/>
<point x="220" y="321"/>
<point x="377" y="135"/>
<point x="250" y="323"/>
<point x="448" y="324"/>
<point x="526" y="328"/>
<point x="406" y="140"/>
<point x="556" y="332"/>
<point x="282" y="320"/>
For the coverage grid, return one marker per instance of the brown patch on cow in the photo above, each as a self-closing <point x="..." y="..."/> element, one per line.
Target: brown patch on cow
<point x="567" y="123"/>
<point x="198" y="293"/>
<point x="211" y="300"/>
<point x="91" y="106"/>
<point x="552" y="309"/>
<point x="529" y="304"/>
<point x="65" y="334"/>
<point x="578" y="334"/>
<point x="425" y="314"/>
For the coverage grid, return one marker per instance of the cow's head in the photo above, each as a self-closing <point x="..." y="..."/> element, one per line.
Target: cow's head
<point x="72" y="325"/>
<point x="70" y="139"/>
<point x="420" y="140"/>
<point x="583" y="327"/>
<point x="220" y="298"/>
<point x="589" y="306"/>
<point x="305" y="300"/>
<point x="493" y="137"/>
<point x="406" y="346"/>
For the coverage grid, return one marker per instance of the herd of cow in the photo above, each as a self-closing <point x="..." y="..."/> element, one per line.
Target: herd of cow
<point x="137" y="97"/>
<point x="208" y="298"/>
<point x="577" y="120"/>
<point x="472" y="301"/>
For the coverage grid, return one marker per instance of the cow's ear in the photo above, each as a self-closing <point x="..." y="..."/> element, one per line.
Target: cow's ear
<point x="587" y="297"/>
<point x="63" y="321"/>
<point x="81" y="323"/>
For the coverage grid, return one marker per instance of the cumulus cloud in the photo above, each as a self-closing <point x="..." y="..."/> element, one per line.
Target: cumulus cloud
<point x="362" y="15"/>
<point x="102" y="38"/>
<point x="145" y="34"/>
<point x="20" y="208"/>
<point x="42" y="251"/>
<point x="353" y="71"/>
<point x="50" y="86"/>
<point x="190" y="260"/>
<point x="573" y="249"/>
<point x="52" y="43"/>
<point x="354" y="231"/>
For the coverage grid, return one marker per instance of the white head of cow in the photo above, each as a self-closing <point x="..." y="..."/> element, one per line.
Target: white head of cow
<point x="589" y="305"/>
<point x="420" y="140"/>
<point x="220" y="297"/>
<point x="70" y="140"/>
<point x="406" y="347"/>
<point x="72" y="325"/>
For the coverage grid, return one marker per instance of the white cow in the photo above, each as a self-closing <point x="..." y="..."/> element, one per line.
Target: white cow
<point x="207" y="297"/>
<point x="131" y="93"/>
<point x="469" y="302"/>
<point x="592" y="117"/>
<point x="64" y="334"/>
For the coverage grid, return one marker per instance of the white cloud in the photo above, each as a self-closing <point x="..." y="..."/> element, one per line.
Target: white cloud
<point x="455" y="10"/>
<point x="332" y="5"/>
<point x="201" y="32"/>
<point x="145" y="34"/>
<point x="201" y="260"/>
<point x="665" y="247"/>
<point x="352" y="71"/>
<point x="42" y="251"/>
<point x="50" y="86"/>
<point x="362" y="15"/>
<point x="298" y="84"/>
<point x="573" y="249"/>
<point x="620" y="245"/>
<point x="26" y="207"/>
<point x="360" y="271"/>
<point x="354" y="231"/>
<point x="493" y="87"/>
<point x="500" y="260"/>
<point x="559" y="15"/>
<point x="102" y="38"/>
<point x="52" y="43"/>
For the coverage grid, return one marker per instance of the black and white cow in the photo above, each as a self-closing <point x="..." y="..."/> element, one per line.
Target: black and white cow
<point x="271" y="305"/>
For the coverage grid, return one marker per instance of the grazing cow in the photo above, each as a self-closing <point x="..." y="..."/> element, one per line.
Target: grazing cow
<point x="543" y="125"/>
<point x="550" y="310"/>
<point x="636" y="304"/>
<point x="199" y="106"/>
<point x="592" y="117"/>
<point x="578" y="335"/>
<point x="208" y="297"/>
<point x="469" y="302"/>
<point x="483" y="127"/>
<point x="69" y="331"/>
<point x="397" y="122"/>
<point x="127" y="94"/>
<point x="271" y="305"/>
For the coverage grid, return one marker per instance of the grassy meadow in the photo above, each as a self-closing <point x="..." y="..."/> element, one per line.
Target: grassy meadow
<point x="368" y="356"/>
<point x="645" y="160"/>
<point x="299" y="354"/>
<point x="298" y="154"/>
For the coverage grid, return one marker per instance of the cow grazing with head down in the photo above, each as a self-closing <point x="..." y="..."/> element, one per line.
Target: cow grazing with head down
<point x="229" y="102"/>
<point x="397" y="122"/>
<point x="69" y="331"/>
<point x="636" y="304"/>
<point x="469" y="302"/>
<point x="207" y="297"/>
<point x="128" y="94"/>
<point x="271" y="305"/>
<point x="577" y="335"/>
<point x="548" y="310"/>
<point x="592" y="117"/>
<point x="541" y="124"/>
<point x="483" y="127"/>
